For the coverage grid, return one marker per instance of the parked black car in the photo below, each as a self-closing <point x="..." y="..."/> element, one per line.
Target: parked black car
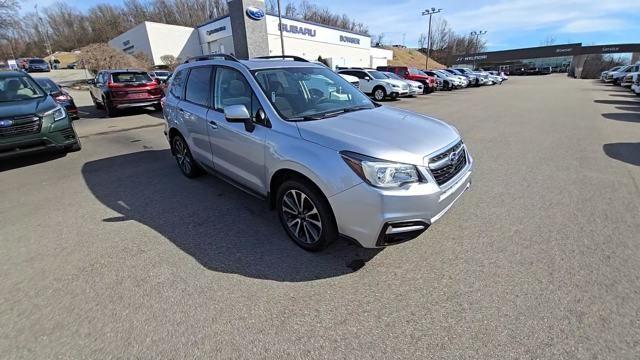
<point x="60" y="95"/>
<point x="36" y="65"/>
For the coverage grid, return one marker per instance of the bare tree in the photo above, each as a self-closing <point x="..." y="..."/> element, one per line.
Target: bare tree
<point x="422" y="41"/>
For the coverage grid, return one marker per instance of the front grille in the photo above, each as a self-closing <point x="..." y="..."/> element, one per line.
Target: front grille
<point x="447" y="170"/>
<point x="20" y="126"/>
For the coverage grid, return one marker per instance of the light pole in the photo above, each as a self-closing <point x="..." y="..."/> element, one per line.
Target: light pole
<point x="477" y="34"/>
<point x="280" y="28"/>
<point x="429" y="12"/>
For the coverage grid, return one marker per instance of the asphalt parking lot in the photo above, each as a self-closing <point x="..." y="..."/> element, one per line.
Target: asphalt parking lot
<point x="111" y="252"/>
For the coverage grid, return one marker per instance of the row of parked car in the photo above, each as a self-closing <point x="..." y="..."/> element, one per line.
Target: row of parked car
<point x="626" y="76"/>
<point x="392" y="82"/>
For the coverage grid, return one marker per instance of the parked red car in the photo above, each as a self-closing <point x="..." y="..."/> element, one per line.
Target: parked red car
<point x="114" y="90"/>
<point x="429" y="82"/>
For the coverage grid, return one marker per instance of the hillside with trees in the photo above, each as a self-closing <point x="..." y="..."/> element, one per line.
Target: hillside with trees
<point x="66" y="28"/>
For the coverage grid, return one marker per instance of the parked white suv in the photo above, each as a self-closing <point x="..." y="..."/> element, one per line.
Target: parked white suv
<point x="329" y="160"/>
<point x="374" y="83"/>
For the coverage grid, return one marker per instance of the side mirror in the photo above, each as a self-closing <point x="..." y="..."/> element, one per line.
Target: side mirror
<point x="239" y="114"/>
<point x="156" y="80"/>
<point x="367" y="78"/>
<point x="91" y="81"/>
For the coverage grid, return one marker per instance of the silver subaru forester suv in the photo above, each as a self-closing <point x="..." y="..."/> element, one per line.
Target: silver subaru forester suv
<point x="328" y="159"/>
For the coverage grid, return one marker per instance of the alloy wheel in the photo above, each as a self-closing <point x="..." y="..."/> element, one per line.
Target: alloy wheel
<point x="182" y="155"/>
<point x="301" y="216"/>
<point x="379" y="95"/>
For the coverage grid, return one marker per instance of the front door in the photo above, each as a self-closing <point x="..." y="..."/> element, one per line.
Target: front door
<point x="237" y="153"/>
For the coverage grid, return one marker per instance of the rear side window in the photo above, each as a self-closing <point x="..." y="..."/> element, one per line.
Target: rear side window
<point x="130" y="77"/>
<point x="177" y="84"/>
<point x="199" y="85"/>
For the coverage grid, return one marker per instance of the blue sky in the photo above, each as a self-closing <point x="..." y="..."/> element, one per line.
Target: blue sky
<point x="510" y="23"/>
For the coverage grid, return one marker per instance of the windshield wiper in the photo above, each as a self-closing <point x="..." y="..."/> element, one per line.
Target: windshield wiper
<point x="328" y="114"/>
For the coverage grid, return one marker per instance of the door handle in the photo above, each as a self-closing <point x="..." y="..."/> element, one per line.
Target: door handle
<point x="213" y="124"/>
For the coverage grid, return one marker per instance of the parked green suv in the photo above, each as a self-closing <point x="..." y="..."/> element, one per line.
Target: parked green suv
<point x="30" y="119"/>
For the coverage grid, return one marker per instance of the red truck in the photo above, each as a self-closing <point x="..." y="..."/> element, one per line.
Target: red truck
<point x="429" y="82"/>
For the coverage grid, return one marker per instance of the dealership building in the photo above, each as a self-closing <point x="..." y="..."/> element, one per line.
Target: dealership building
<point x="248" y="31"/>
<point x="559" y="57"/>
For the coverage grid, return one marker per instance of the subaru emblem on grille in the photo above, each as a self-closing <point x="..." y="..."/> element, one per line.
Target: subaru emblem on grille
<point x="453" y="157"/>
<point x="5" y="123"/>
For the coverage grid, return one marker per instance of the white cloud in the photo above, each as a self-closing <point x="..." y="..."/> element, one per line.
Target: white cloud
<point x="594" y="25"/>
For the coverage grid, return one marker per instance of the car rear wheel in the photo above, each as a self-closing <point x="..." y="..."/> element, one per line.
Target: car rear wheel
<point x="111" y="110"/>
<point x="183" y="156"/>
<point x="306" y="215"/>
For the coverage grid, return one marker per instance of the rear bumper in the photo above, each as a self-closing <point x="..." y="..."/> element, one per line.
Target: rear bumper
<point x="124" y="104"/>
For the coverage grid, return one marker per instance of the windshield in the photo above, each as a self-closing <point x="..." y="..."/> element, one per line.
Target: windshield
<point x="393" y="76"/>
<point x="161" y="73"/>
<point x="47" y="84"/>
<point x="16" y="88"/>
<point x="376" y="74"/>
<point x="414" y="71"/>
<point x="131" y="77"/>
<point x="37" y="61"/>
<point x="301" y="93"/>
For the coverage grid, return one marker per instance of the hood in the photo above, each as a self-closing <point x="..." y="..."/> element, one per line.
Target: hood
<point x="349" y="78"/>
<point x="26" y="107"/>
<point x="413" y="83"/>
<point x="384" y="132"/>
<point x="400" y="83"/>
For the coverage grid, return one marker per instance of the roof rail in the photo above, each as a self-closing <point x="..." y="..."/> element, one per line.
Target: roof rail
<point x="292" y="57"/>
<point x="211" y="57"/>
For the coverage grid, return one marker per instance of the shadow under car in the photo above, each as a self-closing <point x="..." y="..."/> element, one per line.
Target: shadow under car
<point x="224" y="229"/>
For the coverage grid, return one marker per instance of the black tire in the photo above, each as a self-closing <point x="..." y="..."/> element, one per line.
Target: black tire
<point x="75" y="147"/>
<point x="377" y="91"/>
<point x="184" y="159"/>
<point x="157" y="107"/>
<point x="393" y="96"/>
<point x="302" y="226"/>
<point x="111" y="110"/>
<point x="96" y="103"/>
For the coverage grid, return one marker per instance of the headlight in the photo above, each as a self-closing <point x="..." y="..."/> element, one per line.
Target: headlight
<point x="380" y="173"/>
<point x="57" y="113"/>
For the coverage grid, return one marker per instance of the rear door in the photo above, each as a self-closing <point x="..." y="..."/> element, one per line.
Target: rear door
<point x="193" y="110"/>
<point x="237" y="153"/>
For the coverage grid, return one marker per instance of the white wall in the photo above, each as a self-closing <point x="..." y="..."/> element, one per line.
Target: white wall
<point x="156" y="39"/>
<point x="133" y="41"/>
<point x="179" y="41"/>
<point x="310" y="41"/>
<point x="380" y="57"/>
<point x="216" y="37"/>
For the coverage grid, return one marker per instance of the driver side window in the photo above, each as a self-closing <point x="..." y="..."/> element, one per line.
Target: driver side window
<point x="231" y="88"/>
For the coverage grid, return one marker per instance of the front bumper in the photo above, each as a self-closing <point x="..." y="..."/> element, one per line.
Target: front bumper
<point x="59" y="136"/>
<point x="380" y="217"/>
<point x="636" y="88"/>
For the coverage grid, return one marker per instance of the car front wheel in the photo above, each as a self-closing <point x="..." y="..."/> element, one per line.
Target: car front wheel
<point x="379" y="94"/>
<point x="306" y="215"/>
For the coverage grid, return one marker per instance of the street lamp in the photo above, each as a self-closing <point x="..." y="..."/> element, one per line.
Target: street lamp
<point x="477" y="34"/>
<point x="280" y="28"/>
<point x="429" y="12"/>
